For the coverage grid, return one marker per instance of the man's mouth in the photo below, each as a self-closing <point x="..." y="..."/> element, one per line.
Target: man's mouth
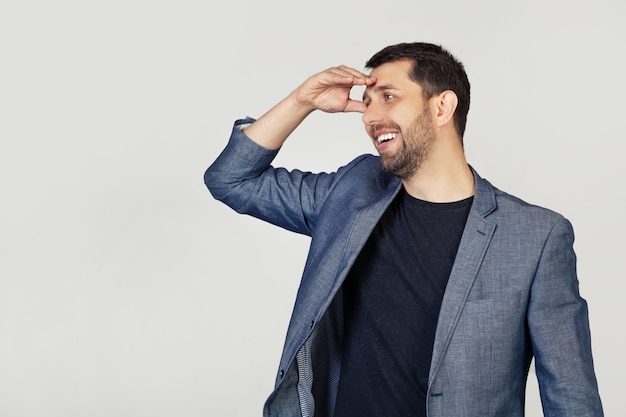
<point x="386" y="137"/>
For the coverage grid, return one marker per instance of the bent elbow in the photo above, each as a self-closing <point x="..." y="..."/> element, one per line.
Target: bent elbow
<point x="215" y="184"/>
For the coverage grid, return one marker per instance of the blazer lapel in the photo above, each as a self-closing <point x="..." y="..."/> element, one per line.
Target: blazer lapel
<point x="364" y="224"/>
<point x="474" y="243"/>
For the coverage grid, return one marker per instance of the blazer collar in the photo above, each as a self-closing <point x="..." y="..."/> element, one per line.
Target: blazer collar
<point x="484" y="196"/>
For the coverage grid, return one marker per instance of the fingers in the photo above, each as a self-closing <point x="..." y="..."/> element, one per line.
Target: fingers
<point x="351" y="76"/>
<point x="329" y="90"/>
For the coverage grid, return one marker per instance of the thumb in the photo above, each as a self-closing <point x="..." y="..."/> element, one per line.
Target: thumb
<point x="354" y="106"/>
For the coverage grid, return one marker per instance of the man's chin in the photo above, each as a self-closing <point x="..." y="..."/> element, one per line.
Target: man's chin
<point x="400" y="169"/>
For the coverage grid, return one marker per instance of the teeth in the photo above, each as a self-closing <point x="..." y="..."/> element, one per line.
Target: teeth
<point x="386" y="137"/>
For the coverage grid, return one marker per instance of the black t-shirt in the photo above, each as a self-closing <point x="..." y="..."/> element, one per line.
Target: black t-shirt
<point x="392" y="298"/>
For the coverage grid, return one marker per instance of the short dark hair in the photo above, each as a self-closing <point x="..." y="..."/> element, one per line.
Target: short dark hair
<point x="435" y="70"/>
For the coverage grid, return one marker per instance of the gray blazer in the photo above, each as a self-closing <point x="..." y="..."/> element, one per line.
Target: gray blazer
<point x="512" y="294"/>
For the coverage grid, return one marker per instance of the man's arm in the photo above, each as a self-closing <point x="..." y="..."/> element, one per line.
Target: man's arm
<point x="328" y="91"/>
<point x="559" y="329"/>
<point x="242" y="176"/>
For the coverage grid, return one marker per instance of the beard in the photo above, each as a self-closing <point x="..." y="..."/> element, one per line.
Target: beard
<point x="416" y="146"/>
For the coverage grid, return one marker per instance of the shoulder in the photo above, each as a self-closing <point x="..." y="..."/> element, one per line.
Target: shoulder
<point x="366" y="172"/>
<point x="366" y="162"/>
<point x="509" y="203"/>
<point x="361" y="169"/>
<point x="510" y="209"/>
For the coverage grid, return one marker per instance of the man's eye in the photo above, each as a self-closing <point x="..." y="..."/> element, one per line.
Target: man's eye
<point x="388" y="96"/>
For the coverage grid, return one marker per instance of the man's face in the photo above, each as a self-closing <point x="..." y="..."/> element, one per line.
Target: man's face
<point x="398" y="119"/>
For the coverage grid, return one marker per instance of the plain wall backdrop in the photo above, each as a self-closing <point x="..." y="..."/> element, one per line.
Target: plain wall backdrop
<point x="126" y="290"/>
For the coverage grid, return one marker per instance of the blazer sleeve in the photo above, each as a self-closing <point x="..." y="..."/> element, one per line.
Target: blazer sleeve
<point x="559" y="329"/>
<point x="242" y="177"/>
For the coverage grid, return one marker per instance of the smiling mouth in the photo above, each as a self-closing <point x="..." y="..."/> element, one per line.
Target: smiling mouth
<point x="386" y="137"/>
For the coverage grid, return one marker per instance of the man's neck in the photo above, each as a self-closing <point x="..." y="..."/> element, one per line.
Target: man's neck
<point x="441" y="183"/>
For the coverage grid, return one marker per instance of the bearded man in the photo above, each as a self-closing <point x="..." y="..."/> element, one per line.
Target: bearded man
<point x="427" y="291"/>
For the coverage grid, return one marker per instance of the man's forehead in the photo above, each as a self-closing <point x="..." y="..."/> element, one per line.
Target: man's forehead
<point x="393" y="68"/>
<point x="391" y="76"/>
<point x="394" y="74"/>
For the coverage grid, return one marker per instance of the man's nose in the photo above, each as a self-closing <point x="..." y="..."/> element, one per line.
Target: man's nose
<point x="372" y="115"/>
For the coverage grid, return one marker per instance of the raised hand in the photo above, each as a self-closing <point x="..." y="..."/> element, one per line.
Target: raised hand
<point x="329" y="90"/>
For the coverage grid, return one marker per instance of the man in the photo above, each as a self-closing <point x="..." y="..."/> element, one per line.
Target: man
<point x="427" y="291"/>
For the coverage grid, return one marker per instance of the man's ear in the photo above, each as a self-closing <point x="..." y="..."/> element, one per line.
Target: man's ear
<point x="446" y="105"/>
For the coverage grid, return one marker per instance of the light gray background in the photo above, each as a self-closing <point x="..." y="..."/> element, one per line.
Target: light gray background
<point x="126" y="290"/>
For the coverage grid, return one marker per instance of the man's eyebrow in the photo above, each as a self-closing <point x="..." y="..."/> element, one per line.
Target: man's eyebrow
<point x="378" y="89"/>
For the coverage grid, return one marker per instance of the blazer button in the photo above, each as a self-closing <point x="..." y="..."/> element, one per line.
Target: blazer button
<point x="282" y="373"/>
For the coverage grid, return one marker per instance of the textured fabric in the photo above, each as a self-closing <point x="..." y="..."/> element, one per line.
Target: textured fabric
<point x="512" y="293"/>
<point x="392" y="298"/>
